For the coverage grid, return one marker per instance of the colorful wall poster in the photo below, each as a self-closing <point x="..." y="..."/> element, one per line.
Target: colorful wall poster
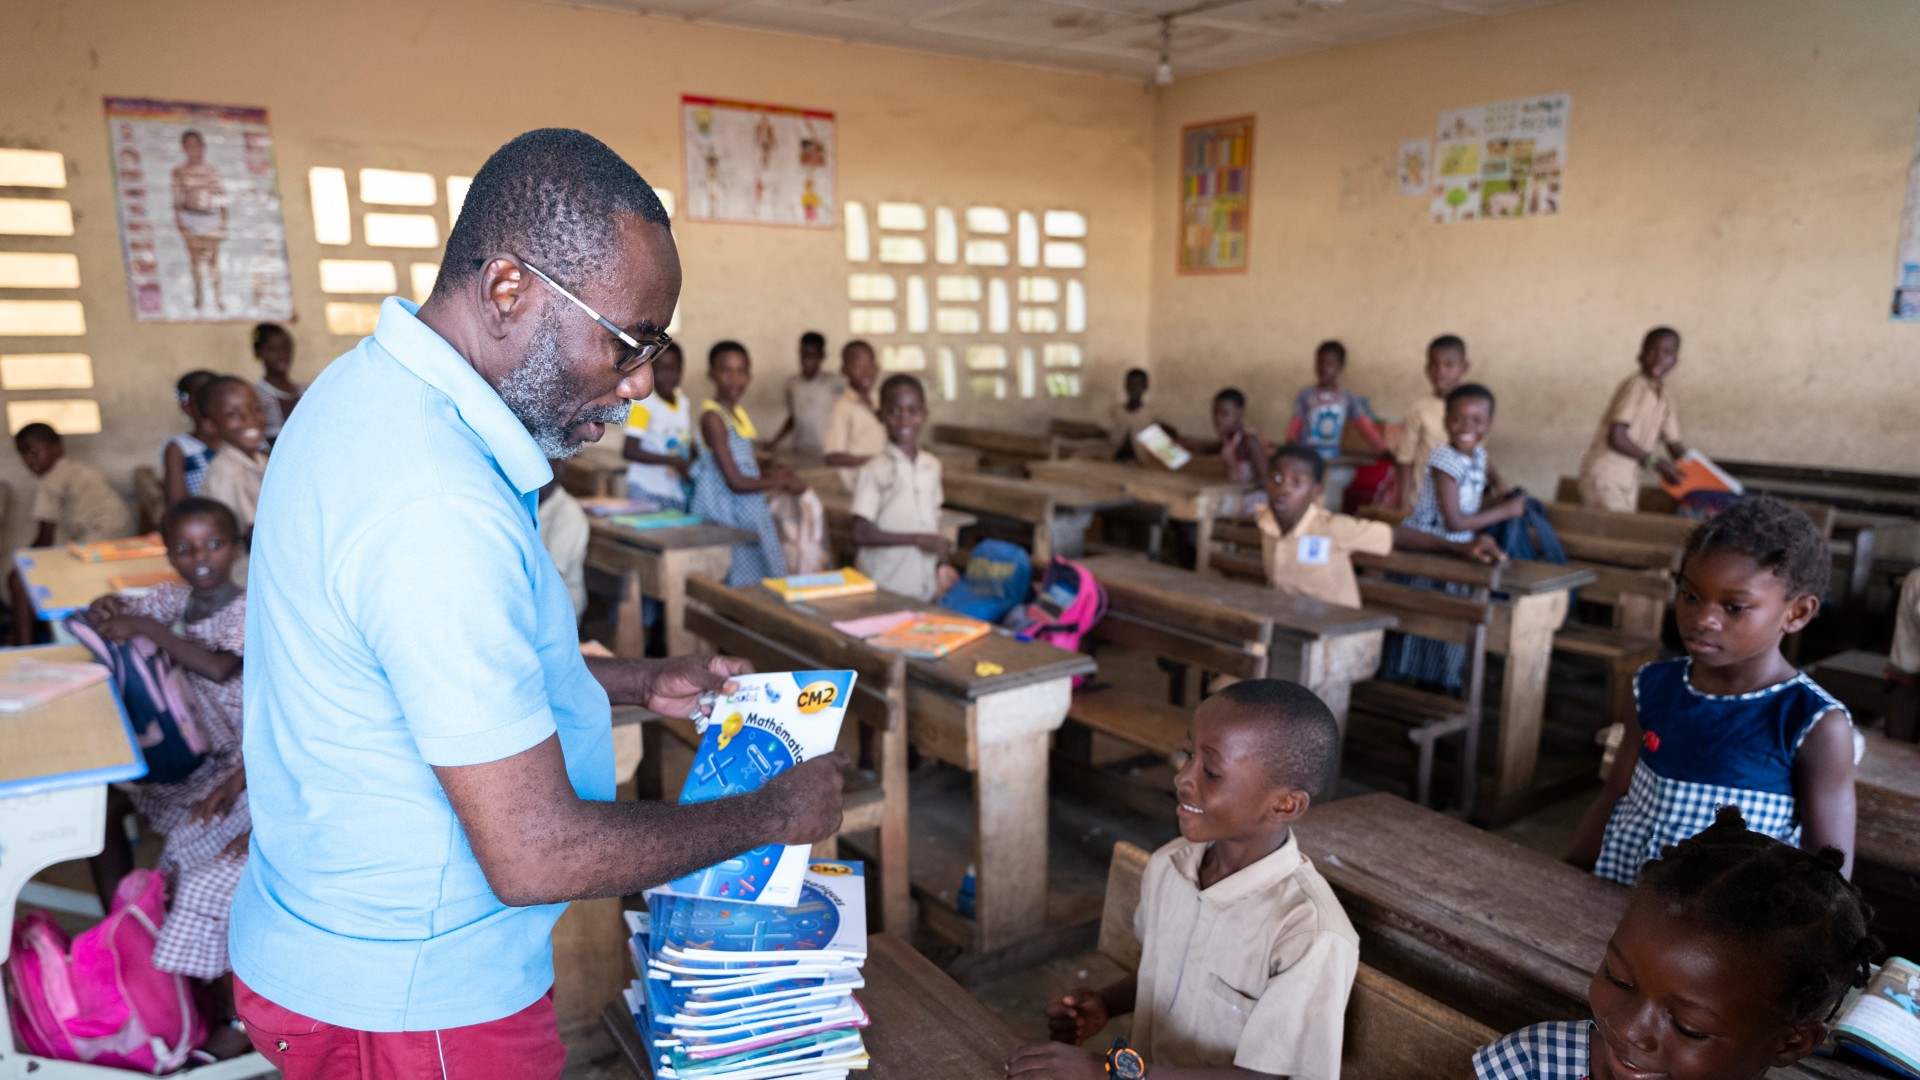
<point x="200" y="226"/>
<point x="1216" y="195"/>
<point x="1906" y="289"/>
<point x="759" y="164"/>
<point x="1501" y="160"/>
<point x="1416" y="166"/>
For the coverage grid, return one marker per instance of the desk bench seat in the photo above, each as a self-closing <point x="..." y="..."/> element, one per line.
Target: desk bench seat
<point x="1155" y="725"/>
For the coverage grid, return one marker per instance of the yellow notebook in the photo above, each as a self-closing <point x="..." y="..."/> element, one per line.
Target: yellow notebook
<point x="801" y="587"/>
<point x="133" y="547"/>
<point x="932" y="636"/>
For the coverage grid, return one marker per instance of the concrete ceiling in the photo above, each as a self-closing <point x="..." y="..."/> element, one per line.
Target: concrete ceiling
<point x="1107" y="37"/>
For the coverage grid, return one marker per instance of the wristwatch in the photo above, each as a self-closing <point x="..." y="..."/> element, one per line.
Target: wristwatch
<point x="1125" y="1064"/>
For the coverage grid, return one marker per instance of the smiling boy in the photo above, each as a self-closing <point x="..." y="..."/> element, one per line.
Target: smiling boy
<point x="1246" y="955"/>
<point x="896" y="501"/>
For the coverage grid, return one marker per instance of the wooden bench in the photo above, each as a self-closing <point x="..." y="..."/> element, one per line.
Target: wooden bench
<point x="779" y="640"/>
<point x="1858" y="678"/>
<point x="1393" y="1032"/>
<point x="1076" y="429"/>
<point x="1006" y="498"/>
<point x="1006" y="450"/>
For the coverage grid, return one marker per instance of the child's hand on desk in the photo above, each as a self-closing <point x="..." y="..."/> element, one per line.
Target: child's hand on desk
<point x="1077" y="1017"/>
<point x="1055" y="1061"/>
<point x="1485" y="549"/>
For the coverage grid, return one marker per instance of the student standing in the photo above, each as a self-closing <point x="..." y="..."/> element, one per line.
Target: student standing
<point x="659" y="441"/>
<point x="1321" y="412"/>
<point x="854" y="430"/>
<point x="1426" y="426"/>
<point x="1128" y="418"/>
<point x="727" y="486"/>
<point x="1639" y="420"/>
<point x="810" y="397"/>
<point x="896" y="502"/>
<point x="273" y="347"/>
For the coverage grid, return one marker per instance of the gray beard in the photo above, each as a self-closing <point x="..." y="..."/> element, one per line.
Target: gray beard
<point x="541" y="392"/>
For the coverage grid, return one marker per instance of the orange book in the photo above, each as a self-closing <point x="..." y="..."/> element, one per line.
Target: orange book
<point x="146" y="579"/>
<point x="932" y="636"/>
<point x="133" y="547"/>
<point x="1699" y="473"/>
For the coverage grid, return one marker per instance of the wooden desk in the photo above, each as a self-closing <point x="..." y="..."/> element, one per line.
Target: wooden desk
<point x="1849" y="489"/>
<point x="1324" y="647"/>
<point x="1887" y="786"/>
<point x="656" y="563"/>
<point x="1505" y="934"/>
<point x="61" y="584"/>
<point x="1187" y="497"/>
<point x="953" y="459"/>
<point x="838" y="504"/>
<point x="1862" y="534"/>
<point x="1011" y="449"/>
<point x="1059" y="513"/>
<point x="925" y="1025"/>
<point x="996" y="727"/>
<point x="594" y="475"/>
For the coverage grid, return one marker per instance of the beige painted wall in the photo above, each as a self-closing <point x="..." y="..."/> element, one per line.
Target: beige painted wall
<point x="438" y="84"/>
<point x="1735" y="169"/>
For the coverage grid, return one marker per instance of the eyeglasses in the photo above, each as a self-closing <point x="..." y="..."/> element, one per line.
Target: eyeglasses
<point x="643" y="351"/>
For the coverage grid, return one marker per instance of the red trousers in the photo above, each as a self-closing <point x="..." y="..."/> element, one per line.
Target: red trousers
<point x="524" y="1046"/>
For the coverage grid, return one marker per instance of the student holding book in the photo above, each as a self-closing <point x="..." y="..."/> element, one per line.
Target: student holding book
<point x="1638" y="422"/>
<point x="896" y="502"/>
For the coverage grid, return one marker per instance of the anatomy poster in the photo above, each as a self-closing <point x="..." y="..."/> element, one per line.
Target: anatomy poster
<point x="1216" y="195"/>
<point x="759" y="164"/>
<point x="1906" y="289"/>
<point x="200" y="226"/>
<point x="1501" y="160"/>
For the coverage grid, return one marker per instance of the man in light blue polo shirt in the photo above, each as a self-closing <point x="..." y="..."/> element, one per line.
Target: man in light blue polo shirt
<point x="429" y="759"/>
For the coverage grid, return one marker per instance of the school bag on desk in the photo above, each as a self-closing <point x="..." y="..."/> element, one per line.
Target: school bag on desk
<point x="156" y="701"/>
<point x="1066" y="607"/>
<point x="98" y="999"/>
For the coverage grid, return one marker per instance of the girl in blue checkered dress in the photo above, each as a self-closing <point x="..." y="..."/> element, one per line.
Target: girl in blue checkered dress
<point x="727" y="486"/>
<point x="1732" y="723"/>
<point x="1731" y="960"/>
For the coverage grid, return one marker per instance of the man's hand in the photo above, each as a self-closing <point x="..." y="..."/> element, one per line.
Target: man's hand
<point x="809" y="798"/>
<point x="1077" y="1017"/>
<point x="1055" y="1061"/>
<point x="674" y="687"/>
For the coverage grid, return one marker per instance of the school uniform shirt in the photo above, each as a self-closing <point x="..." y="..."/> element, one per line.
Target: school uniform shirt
<point x="234" y="477"/>
<point x="1124" y="426"/>
<point x="1699" y="752"/>
<point x="1426" y="429"/>
<point x="854" y="428"/>
<point x="564" y="532"/>
<point x="274" y="404"/>
<point x="1469" y="473"/>
<point x="1252" y="972"/>
<point x="900" y="495"/>
<point x="1904" y="657"/>
<point x="80" y="502"/>
<point x="1610" y="480"/>
<point x="1315" y="557"/>
<point x="810" y="401"/>
<point x="1560" y="1050"/>
<point x="662" y="428"/>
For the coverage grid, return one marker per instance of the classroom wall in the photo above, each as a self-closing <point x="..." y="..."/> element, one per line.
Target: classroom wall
<point x="436" y="85"/>
<point x="1735" y="168"/>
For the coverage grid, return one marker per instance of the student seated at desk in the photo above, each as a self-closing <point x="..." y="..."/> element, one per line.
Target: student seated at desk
<point x="1127" y="419"/>
<point x="1731" y="960"/>
<point x="1426" y="427"/>
<point x="854" y="431"/>
<point x="1732" y="722"/>
<point x="1454" y="508"/>
<point x="236" y="472"/>
<point x="1321" y="412"/>
<point x="200" y="626"/>
<point x="810" y="397"/>
<point x="1232" y="439"/>
<point x="72" y="503"/>
<point x="185" y="457"/>
<point x="1307" y="549"/>
<point x="1903" y="664"/>
<point x="1639" y="420"/>
<point x="660" y="436"/>
<point x="1246" y="956"/>
<point x="896" y="502"/>
<point x="727" y="486"/>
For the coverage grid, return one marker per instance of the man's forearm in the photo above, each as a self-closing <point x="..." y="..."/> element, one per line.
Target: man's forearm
<point x="627" y="681"/>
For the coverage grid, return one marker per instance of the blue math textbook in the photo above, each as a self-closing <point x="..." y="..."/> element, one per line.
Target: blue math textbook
<point x="773" y="722"/>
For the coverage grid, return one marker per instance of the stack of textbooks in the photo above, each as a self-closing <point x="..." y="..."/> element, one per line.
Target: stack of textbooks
<point x="736" y="991"/>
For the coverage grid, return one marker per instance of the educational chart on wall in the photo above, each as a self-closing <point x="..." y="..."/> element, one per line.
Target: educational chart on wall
<point x="1216" y="195"/>
<point x="1906" y="289"/>
<point x="1501" y="160"/>
<point x="200" y="226"/>
<point x="759" y="164"/>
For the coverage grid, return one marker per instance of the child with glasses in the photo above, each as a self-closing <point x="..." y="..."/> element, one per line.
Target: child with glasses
<point x="728" y="488"/>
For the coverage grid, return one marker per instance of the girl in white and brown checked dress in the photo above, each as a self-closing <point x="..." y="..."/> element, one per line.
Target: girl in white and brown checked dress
<point x="201" y="626"/>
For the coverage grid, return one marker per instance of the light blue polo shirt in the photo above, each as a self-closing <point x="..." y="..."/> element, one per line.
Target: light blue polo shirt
<point x="401" y="614"/>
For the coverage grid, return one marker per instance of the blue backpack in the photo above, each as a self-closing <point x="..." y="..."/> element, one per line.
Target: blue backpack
<point x="156" y="700"/>
<point x="995" y="583"/>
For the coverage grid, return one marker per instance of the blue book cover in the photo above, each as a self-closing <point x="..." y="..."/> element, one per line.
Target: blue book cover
<point x="772" y="722"/>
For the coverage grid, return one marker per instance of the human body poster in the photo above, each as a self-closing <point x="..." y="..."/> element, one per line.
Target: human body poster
<point x="200" y="226"/>
<point x="1906" y="288"/>
<point x="1216" y="195"/>
<point x="1505" y="159"/>
<point x="759" y="164"/>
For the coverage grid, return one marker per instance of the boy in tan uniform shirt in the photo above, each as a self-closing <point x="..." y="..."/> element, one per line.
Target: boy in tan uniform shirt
<point x="854" y="431"/>
<point x="810" y="396"/>
<point x="1639" y="418"/>
<point x="73" y="502"/>
<point x="1426" y="426"/>
<point x="1246" y="955"/>
<point x="896" y="502"/>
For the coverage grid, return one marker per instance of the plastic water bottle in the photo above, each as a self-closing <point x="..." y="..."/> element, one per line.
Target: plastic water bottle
<point x="965" y="900"/>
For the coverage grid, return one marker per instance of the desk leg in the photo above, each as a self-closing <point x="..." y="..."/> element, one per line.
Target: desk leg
<point x="629" y="632"/>
<point x="1523" y="697"/>
<point x="1202" y="540"/>
<point x="1641" y="616"/>
<point x="1070" y="532"/>
<point x="1860" y="578"/>
<point x="675" y="568"/>
<point x="37" y="831"/>
<point x="1010" y="810"/>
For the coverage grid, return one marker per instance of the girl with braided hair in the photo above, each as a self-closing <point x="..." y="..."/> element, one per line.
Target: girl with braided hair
<point x="1732" y="959"/>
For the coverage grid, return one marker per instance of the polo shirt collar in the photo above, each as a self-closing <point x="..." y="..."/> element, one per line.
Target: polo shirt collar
<point x="1250" y="880"/>
<point x="425" y="353"/>
<point x="894" y="453"/>
<point x="1311" y="523"/>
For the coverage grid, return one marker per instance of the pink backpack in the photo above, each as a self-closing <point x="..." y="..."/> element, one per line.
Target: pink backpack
<point x="99" y="999"/>
<point x="1068" y="603"/>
